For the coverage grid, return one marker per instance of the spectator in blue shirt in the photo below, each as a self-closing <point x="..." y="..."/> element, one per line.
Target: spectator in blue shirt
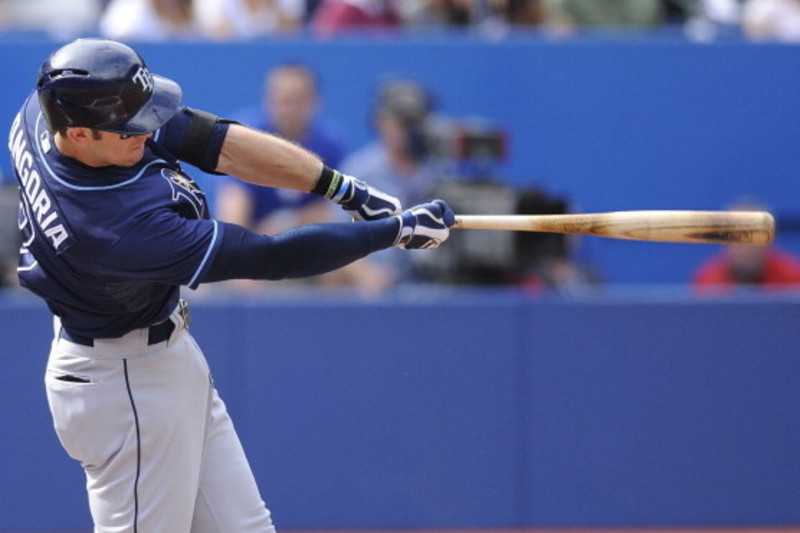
<point x="289" y="108"/>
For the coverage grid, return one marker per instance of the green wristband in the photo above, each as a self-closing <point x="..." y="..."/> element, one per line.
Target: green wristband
<point x="328" y="183"/>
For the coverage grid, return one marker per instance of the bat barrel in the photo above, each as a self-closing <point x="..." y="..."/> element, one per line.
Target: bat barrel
<point x="728" y="227"/>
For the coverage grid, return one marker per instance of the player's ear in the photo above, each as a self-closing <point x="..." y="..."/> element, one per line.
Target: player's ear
<point x="81" y="135"/>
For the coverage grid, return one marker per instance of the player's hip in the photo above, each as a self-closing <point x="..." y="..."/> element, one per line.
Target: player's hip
<point x="97" y="403"/>
<point x="136" y="343"/>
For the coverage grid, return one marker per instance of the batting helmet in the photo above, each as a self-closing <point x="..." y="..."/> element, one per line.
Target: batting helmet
<point x="104" y="85"/>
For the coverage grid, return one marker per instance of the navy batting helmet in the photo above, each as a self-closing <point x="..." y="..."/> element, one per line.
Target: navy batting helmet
<point x="104" y="85"/>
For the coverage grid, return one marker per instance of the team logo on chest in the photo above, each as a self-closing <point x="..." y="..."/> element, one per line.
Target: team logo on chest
<point x="185" y="191"/>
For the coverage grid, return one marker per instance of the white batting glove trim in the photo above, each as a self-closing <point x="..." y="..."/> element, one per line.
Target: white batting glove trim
<point x="406" y="230"/>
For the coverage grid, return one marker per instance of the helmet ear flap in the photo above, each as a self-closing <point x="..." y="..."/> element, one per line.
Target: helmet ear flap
<point x="106" y="85"/>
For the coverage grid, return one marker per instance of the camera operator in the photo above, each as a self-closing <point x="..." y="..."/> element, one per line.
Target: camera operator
<point x="418" y="153"/>
<point x="396" y="161"/>
<point x="397" y="157"/>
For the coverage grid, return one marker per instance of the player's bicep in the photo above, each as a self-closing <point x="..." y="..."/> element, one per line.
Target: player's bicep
<point x="166" y="248"/>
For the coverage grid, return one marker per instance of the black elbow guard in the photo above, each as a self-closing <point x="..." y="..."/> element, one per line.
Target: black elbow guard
<point x="197" y="137"/>
<point x="202" y="139"/>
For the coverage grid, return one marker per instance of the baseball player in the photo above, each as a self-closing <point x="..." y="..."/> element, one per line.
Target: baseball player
<point x="112" y="228"/>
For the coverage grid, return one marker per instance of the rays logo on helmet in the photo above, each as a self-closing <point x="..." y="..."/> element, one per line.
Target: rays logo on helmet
<point x="144" y="78"/>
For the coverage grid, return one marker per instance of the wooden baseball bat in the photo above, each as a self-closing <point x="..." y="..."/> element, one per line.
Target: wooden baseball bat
<point x="727" y="227"/>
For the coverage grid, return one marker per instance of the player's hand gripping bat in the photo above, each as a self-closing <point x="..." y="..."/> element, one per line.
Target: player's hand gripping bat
<point x="727" y="227"/>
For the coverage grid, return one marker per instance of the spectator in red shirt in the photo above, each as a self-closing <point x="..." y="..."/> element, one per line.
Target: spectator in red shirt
<point x="336" y="16"/>
<point x="739" y="265"/>
<point x="749" y="265"/>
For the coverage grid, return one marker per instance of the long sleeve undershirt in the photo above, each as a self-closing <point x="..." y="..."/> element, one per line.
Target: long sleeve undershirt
<point x="299" y="252"/>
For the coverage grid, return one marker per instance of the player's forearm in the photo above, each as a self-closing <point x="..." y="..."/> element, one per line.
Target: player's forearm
<point x="264" y="159"/>
<point x="299" y="252"/>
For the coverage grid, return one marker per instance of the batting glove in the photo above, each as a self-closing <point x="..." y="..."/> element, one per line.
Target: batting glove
<point x="425" y="225"/>
<point x="364" y="202"/>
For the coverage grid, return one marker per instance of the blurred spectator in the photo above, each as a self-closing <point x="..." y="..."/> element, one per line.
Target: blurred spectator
<point x="396" y="158"/>
<point x="741" y="265"/>
<point x="396" y="161"/>
<point x="148" y="20"/>
<point x="463" y="13"/>
<point x="715" y="18"/>
<point x="748" y="265"/>
<point x="437" y="12"/>
<point x="679" y="12"/>
<point x="723" y="12"/>
<point x="524" y="12"/>
<point x="10" y="237"/>
<point x="772" y="20"/>
<point x="570" y="15"/>
<point x="310" y="9"/>
<point x="223" y="20"/>
<point x="565" y="17"/>
<point x="289" y="108"/>
<point x="60" y="19"/>
<point x="337" y="16"/>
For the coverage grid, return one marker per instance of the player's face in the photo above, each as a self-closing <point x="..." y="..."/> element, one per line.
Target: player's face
<point x="122" y="150"/>
<point x="101" y="148"/>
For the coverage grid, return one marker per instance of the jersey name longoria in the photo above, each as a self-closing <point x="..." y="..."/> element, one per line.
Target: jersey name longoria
<point x="108" y="248"/>
<point x="36" y="205"/>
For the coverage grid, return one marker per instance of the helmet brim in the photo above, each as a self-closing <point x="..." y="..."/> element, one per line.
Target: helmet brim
<point x="161" y="107"/>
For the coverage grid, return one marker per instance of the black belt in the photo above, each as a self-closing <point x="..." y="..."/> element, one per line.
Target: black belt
<point x="155" y="334"/>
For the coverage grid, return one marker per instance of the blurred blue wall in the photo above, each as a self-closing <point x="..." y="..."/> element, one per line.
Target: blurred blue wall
<point x="468" y="410"/>
<point x="611" y="125"/>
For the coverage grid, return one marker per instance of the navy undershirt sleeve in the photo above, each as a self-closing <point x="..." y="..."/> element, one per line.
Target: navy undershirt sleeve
<point x="299" y="252"/>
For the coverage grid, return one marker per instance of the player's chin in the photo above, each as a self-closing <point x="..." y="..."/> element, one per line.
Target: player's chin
<point x="128" y="162"/>
<point x="131" y="158"/>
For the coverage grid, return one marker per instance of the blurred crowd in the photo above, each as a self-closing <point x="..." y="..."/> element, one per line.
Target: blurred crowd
<point x="222" y="20"/>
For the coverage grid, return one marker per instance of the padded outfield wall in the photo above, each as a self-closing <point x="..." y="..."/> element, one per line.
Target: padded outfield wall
<point x="468" y="410"/>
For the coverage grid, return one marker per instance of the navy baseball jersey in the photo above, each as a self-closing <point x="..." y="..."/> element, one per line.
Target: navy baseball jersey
<point x="109" y="255"/>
